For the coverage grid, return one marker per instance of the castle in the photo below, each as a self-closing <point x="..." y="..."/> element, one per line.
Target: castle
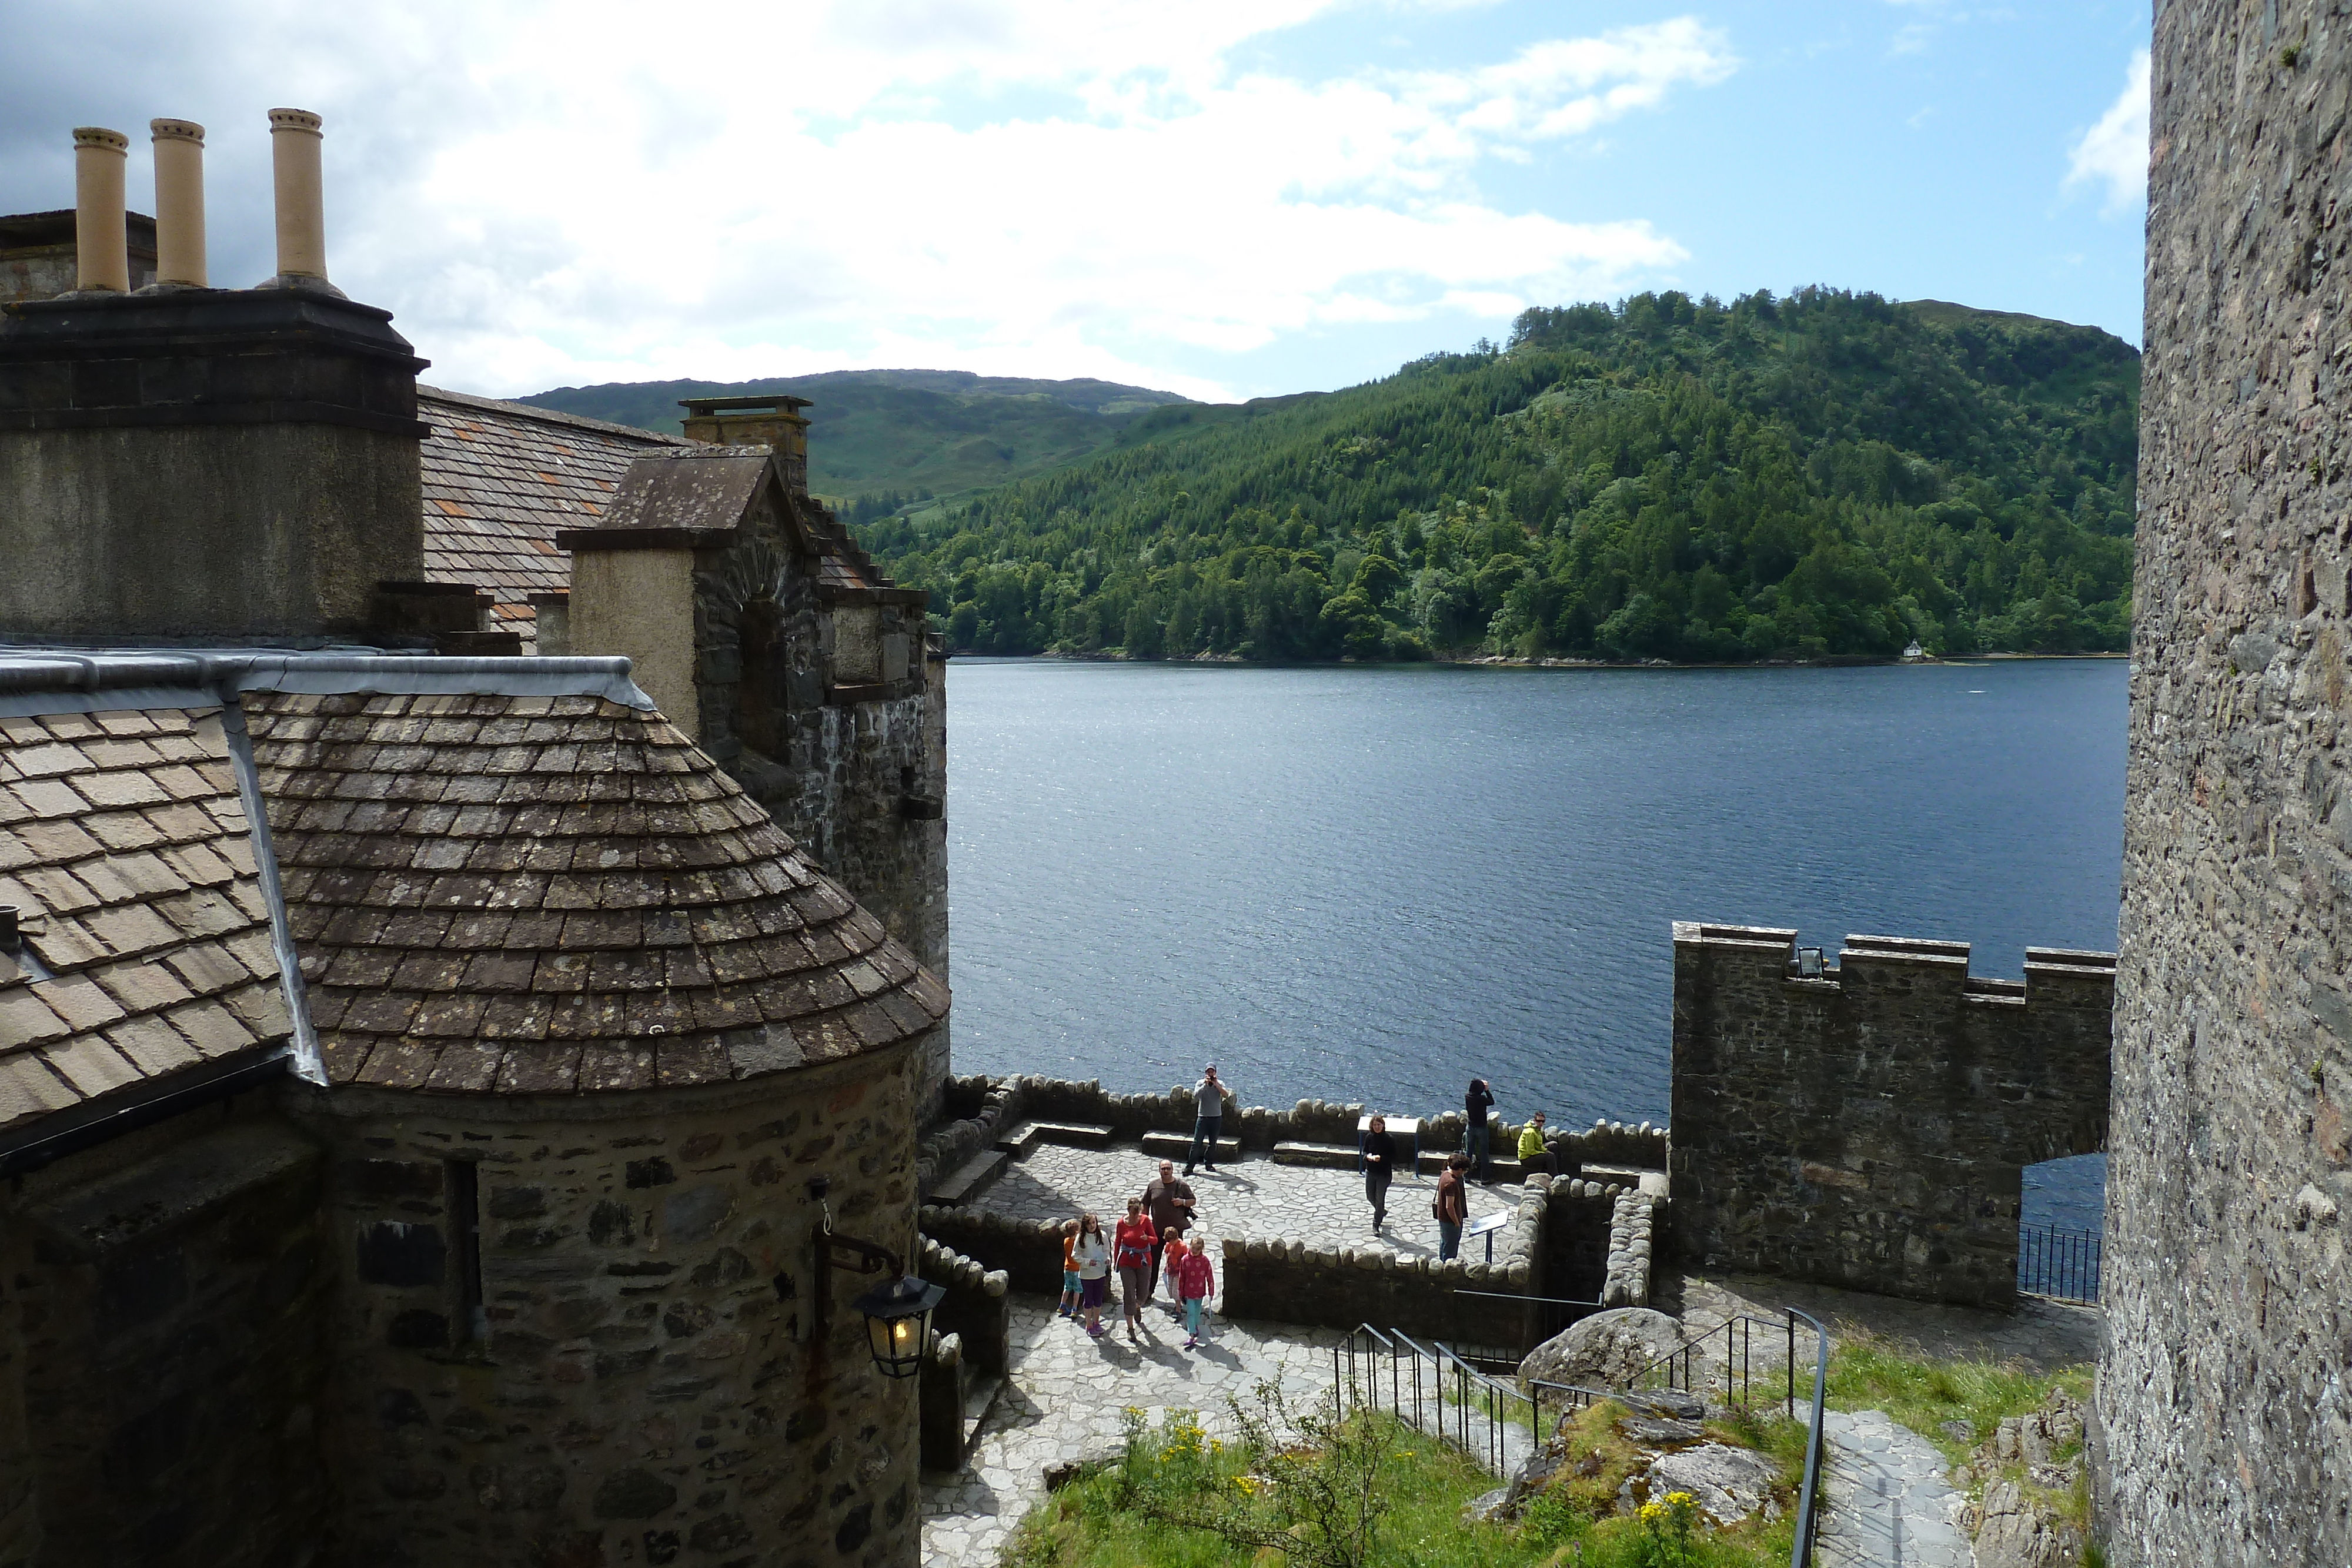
<point x="449" y="1099"/>
<point x="417" y="1064"/>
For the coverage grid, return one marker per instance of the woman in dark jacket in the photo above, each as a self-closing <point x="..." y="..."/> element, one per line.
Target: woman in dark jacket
<point x="1476" y="1131"/>
<point x="1380" y="1165"/>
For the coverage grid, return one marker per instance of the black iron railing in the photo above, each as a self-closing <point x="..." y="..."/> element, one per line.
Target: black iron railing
<point x="2058" y="1261"/>
<point x="1431" y="1389"/>
<point x="1539" y="1317"/>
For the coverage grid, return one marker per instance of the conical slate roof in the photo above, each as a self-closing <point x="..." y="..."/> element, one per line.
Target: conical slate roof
<point x="555" y="894"/>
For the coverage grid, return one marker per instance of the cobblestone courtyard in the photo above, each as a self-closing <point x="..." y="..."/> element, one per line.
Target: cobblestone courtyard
<point x="1067" y="1392"/>
<point x="1890" y="1502"/>
<point x="1254" y="1198"/>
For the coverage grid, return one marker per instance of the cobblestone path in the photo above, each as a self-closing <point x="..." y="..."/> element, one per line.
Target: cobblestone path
<point x="1064" y="1402"/>
<point x="1890" y="1502"/>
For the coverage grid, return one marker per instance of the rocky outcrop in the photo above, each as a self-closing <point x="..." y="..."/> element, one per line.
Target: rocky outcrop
<point x="1606" y="1351"/>
<point x="1729" y="1483"/>
<point x="2012" y="1532"/>
<point x="2014" y="1526"/>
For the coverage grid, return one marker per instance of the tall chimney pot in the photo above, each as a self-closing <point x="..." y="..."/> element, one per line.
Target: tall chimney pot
<point x="301" y="206"/>
<point x="179" y="201"/>
<point x="101" y="235"/>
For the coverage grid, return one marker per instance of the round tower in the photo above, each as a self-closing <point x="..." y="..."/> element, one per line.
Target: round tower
<point x="591" y="1027"/>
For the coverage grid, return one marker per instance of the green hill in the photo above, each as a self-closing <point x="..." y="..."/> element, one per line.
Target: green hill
<point x="1826" y="474"/>
<point x="886" y="436"/>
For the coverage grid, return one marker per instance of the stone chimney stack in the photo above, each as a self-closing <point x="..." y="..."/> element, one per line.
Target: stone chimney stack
<point x="209" y="465"/>
<point x="294" y="142"/>
<point x="179" y="203"/>
<point x="775" y="422"/>
<point x="102" y="238"/>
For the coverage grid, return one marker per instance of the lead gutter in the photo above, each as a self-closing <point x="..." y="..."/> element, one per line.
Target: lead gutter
<point x="46" y="680"/>
<point x="309" y="1064"/>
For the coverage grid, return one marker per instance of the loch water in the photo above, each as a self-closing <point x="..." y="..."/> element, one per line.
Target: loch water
<point x="1375" y="882"/>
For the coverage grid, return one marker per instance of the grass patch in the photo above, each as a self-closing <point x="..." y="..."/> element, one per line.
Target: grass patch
<point x="1871" y="1374"/>
<point x="1108" y="1518"/>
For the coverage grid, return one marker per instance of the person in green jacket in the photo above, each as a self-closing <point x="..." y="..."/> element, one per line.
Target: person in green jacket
<point x="1533" y="1156"/>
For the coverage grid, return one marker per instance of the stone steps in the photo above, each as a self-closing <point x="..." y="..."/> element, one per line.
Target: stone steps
<point x="1505" y="1169"/>
<point x="1072" y="1135"/>
<point x="965" y="1181"/>
<point x="1177" y="1146"/>
<point x="979" y="1401"/>
<point x="1321" y="1156"/>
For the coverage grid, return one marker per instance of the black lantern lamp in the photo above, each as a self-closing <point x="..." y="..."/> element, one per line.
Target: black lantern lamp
<point x="1808" y="963"/>
<point x="897" y="1310"/>
<point x="897" y="1321"/>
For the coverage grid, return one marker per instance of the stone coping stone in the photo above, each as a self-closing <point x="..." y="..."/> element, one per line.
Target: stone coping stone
<point x="1506" y="1172"/>
<point x="1326" y="1156"/>
<point x="969" y="1178"/>
<point x="1177" y="1146"/>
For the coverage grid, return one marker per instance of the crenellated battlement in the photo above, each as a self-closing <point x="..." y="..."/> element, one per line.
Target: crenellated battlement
<point x="1867" y="1123"/>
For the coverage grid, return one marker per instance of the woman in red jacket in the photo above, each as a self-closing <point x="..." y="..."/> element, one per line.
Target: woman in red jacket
<point x="1131" y="1249"/>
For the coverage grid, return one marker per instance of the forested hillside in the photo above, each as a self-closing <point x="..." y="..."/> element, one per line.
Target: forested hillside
<point x="1819" y="474"/>
<point x="887" y="437"/>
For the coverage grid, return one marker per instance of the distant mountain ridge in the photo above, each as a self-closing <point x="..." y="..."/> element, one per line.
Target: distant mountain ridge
<point x="902" y="433"/>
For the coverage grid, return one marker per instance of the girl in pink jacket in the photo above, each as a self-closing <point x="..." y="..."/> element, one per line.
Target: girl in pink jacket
<point x="1195" y="1284"/>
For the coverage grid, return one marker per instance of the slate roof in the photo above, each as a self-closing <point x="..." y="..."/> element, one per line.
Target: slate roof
<point x="124" y="843"/>
<point x="550" y="895"/>
<point x="500" y="478"/>
<point x="705" y="486"/>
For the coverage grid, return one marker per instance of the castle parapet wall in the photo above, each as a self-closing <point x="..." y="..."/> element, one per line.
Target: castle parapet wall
<point x="1868" y="1126"/>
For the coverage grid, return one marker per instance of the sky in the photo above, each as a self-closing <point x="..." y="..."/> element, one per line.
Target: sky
<point x="1226" y="198"/>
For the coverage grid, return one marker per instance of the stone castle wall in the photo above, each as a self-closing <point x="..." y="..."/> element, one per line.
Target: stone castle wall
<point x="853" y="770"/>
<point x="228" y="1340"/>
<point x="161" y="1353"/>
<point x="643" y="1382"/>
<point x="1869" y="1128"/>
<point x="2220" y="1395"/>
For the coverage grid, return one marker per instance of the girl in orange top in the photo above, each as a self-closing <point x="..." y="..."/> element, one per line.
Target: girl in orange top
<point x="1069" y="1307"/>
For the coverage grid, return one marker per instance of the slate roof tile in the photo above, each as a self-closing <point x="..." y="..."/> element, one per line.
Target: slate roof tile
<point x="126" y="844"/>
<point x="587" y="940"/>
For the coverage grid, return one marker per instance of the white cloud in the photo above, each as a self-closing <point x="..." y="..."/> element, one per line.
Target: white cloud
<point x="549" y="193"/>
<point x="2114" y="152"/>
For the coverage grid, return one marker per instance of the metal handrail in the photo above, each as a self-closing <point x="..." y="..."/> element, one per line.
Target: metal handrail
<point x="1801" y="1554"/>
<point x="1739" y="1335"/>
<point x="1738" y="1374"/>
<point x="1402" y="1348"/>
<point x="1430" y="1406"/>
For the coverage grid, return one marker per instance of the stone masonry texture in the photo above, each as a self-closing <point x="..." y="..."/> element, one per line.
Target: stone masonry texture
<point x="644" y="1385"/>
<point x="2221" y="1402"/>
<point x="161" y="1339"/>
<point x="1869" y="1128"/>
